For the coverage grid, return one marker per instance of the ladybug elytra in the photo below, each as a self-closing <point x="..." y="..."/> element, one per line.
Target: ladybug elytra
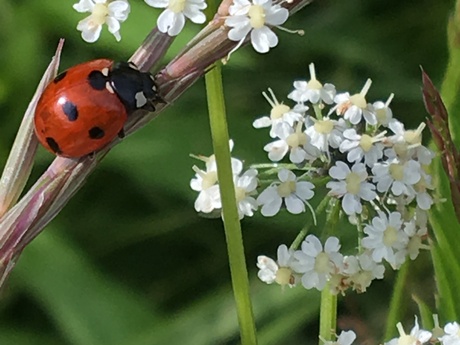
<point x="85" y="108"/>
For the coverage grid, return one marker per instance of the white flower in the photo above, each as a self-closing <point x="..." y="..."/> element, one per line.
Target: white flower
<point x="205" y="182"/>
<point x="312" y="91"/>
<point x="245" y="186"/>
<point x="317" y="265"/>
<point x="279" y="271"/>
<point x="399" y="176"/>
<point x="292" y="140"/>
<point x="211" y="165"/>
<point x="255" y="18"/>
<point x="102" y="12"/>
<point x="362" y="270"/>
<point x="421" y="218"/>
<point x="383" y="112"/>
<point x="422" y="188"/>
<point x="354" y="108"/>
<point x="386" y="238"/>
<point x="407" y="144"/>
<point x="437" y="331"/>
<point x="417" y="336"/>
<point x="205" y="179"/>
<point x="410" y="137"/>
<point x="416" y="236"/>
<point x="452" y="334"/>
<point x="352" y="185"/>
<point x="362" y="146"/>
<point x="172" y="19"/>
<point x="209" y="198"/>
<point x="345" y="338"/>
<point x="325" y="133"/>
<point x="295" y="194"/>
<point x="280" y="113"/>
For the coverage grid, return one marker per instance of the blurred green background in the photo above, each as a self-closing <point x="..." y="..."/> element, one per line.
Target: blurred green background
<point x="128" y="261"/>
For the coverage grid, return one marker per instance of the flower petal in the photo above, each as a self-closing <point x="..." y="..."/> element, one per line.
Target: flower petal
<point x="294" y="205"/>
<point x="263" y="39"/>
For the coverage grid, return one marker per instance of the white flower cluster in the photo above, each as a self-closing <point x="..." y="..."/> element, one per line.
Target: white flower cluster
<point x="314" y="266"/>
<point x="375" y="168"/>
<point x="245" y="18"/>
<point x="370" y="165"/>
<point x="114" y="12"/>
<point x="287" y="190"/>
<point x="449" y="335"/>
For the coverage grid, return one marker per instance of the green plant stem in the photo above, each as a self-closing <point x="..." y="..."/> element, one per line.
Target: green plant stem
<point x="328" y="309"/>
<point x="232" y="226"/>
<point x="328" y="315"/>
<point x="333" y="218"/>
<point x="395" y="310"/>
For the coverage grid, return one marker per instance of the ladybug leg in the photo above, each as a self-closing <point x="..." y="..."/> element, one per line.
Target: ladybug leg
<point x="92" y="155"/>
<point x="149" y="106"/>
<point x="121" y="133"/>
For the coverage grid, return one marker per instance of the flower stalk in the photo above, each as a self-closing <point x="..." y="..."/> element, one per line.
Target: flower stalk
<point x="328" y="315"/>
<point x="232" y="226"/>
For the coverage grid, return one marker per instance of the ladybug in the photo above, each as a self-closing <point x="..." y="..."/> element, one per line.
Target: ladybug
<point x="85" y="108"/>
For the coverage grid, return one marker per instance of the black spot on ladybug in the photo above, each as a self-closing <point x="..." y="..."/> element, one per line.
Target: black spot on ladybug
<point x="96" y="133"/>
<point x="59" y="77"/>
<point x="70" y="110"/>
<point x="53" y="145"/>
<point x="97" y="80"/>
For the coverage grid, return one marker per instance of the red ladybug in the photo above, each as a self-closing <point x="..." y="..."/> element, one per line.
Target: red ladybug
<point x="85" y="108"/>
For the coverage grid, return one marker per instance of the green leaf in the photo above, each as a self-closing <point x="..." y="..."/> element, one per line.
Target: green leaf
<point x="18" y="336"/>
<point x="301" y="306"/>
<point x="426" y="314"/>
<point x="446" y="256"/>
<point x="212" y="320"/>
<point x="451" y="83"/>
<point x="84" y="304"/>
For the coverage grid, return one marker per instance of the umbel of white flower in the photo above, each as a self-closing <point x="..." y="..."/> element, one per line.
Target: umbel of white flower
<point x="372" y="168"/>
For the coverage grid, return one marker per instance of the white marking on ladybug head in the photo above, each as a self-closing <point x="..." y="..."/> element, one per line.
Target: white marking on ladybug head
<point x="105" y="71"/>
<point x="133" y="65"/>
<point x="109" y="87"/>
<point x="141" y="100"/>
